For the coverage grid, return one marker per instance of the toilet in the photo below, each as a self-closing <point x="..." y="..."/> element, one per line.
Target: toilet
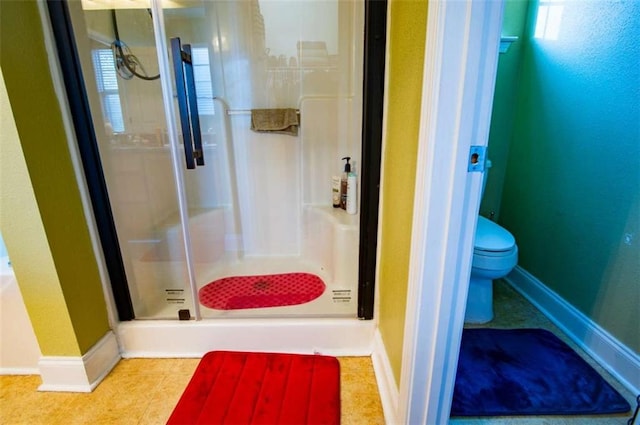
<point x="495" y="254"/>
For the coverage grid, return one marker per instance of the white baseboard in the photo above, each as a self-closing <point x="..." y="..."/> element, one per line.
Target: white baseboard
<point x="387" y="386"/>
<point x="19" y="371"/>
<point x="79" y="374"/>
<point x="610" y="353"/>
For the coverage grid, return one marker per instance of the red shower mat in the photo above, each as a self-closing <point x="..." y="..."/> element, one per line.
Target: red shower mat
<point x="273" y="290"/>
<point x="261" y="388"/>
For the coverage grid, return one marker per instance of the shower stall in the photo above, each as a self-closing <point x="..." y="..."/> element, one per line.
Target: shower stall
<point x="211" y="218"/>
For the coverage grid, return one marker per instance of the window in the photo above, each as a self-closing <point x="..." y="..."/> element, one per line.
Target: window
<point x="548" y="20"/>
<point x="106" y="79"/>
<point x="107" y="82"/>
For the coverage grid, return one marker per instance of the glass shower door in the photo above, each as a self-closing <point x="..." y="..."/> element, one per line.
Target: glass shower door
<point x="255" y="197"/>
<point x="164" y="144"/>
<point x="117" y="48"/>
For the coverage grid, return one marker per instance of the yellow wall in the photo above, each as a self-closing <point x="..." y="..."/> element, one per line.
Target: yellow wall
<point x="46" y="229"/>
<point x="406" y="57"/>
<point x="24" y="233"/>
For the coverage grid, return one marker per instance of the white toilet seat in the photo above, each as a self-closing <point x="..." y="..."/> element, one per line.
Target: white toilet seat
<point x="494" y="254"/>
<point x="494" y="247"/>
<point x="490" y="237"/>
<point x="495" y="261"/>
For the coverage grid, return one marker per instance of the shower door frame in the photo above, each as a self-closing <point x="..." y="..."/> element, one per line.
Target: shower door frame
<point x="373" y="96"/>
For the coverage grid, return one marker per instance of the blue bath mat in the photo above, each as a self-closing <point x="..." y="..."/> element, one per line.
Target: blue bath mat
<point x="508" y="372"/>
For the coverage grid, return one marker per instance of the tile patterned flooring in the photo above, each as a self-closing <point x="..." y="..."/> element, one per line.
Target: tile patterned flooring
<point x="144" y="391"/>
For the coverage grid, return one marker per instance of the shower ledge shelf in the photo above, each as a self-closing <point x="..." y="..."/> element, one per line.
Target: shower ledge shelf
<point x="506" y="41"/>
<point x="337" y="216"/>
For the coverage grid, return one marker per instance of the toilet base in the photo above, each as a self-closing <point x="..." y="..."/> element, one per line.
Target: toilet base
<point x="479" y="301"/>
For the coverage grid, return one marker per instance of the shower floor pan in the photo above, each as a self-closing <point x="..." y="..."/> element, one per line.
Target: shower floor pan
<point x="339" y="299"/>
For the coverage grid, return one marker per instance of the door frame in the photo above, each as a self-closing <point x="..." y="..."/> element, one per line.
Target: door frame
<point x="375" y="38"/>
<point x="461" y="59"/>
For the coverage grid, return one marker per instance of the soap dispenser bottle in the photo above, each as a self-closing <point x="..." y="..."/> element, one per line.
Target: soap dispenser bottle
<point x="343" y="183"/>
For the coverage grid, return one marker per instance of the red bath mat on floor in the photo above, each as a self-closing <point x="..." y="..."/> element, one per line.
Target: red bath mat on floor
<point x="273" y="290"/>
<point x="261" y="388"/>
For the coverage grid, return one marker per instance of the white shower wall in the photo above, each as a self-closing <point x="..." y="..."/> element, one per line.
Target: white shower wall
<point x="268" y="178"/>
<point x="278" y="174"/>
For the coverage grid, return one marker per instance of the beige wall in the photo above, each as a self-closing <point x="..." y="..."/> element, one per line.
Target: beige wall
<point x="406" y="57"/>
<point x="43" y="222"/>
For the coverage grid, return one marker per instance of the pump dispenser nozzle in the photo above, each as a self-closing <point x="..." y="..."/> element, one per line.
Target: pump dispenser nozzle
<point x="347" y="166"/>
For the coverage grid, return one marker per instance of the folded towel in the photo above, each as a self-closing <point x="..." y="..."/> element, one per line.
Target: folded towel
<point x="282" y="121"/>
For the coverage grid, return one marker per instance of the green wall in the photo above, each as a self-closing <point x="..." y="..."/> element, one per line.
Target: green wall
<point x="40" y="129"/>
<point x="572" y="187"/>
<point x="404" y="93"/>
<point x="503" y="114"/>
